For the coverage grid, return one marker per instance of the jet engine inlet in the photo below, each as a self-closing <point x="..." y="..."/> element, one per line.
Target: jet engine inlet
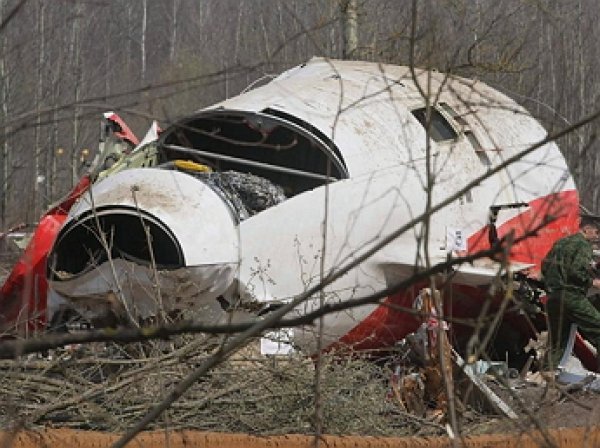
<point x="144" y="243"/>
<point x="113" y="233"/>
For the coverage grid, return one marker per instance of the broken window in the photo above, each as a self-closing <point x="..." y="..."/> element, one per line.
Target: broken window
<point x="440" y="130"/>
<point x="271" y="144"/>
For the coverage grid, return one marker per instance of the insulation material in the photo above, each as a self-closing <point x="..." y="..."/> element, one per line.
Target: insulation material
<point x="249" y="194"/>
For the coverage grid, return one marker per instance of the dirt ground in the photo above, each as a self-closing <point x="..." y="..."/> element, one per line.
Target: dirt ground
<point x="565" y="438"/>
<point x="545" y="408"/>
<point x="354" y="395"/>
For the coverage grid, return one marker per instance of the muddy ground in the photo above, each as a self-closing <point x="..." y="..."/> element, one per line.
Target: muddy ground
<point x="575" y="438"/>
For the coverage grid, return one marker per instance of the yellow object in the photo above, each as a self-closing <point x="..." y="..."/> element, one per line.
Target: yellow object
<point x="191" y="166"/>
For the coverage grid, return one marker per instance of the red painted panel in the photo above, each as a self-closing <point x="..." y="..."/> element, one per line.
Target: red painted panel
<point x="563" y="207"/>
<point x="384" y="326"/>
<point x="23" y="297"/>
<point x="125" y="133"/>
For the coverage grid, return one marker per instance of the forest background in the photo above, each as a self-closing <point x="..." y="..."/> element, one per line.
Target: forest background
<point x="64" y="62"/>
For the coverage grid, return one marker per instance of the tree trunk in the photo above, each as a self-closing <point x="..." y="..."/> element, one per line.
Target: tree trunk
<point x="75" y="52"/>
<point x="349" y="10"/>
<point x="173" y="31"/>
<point x="37" y="200"/>
<point x="5" y="76"/>
<point x="143" y="40"/>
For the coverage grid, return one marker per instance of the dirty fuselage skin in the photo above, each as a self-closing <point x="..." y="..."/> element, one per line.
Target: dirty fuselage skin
<point x="348" y="144"/>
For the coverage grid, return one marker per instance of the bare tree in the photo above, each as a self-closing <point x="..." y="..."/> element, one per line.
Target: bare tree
<point x="349" y="13"/>
<point x="536" y="52"/>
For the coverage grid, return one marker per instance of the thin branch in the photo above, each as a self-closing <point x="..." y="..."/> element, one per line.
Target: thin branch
<point x="11" y="15"/>
<point x="15" y="348"/>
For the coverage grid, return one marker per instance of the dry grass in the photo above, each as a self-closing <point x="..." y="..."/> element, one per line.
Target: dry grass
<point x="111" y="387"/>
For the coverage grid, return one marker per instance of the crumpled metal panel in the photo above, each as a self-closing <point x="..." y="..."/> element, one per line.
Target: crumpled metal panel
<point x="249" y="194"/>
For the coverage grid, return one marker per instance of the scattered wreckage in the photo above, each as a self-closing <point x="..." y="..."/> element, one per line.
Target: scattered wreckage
<point x="250" y="202"/>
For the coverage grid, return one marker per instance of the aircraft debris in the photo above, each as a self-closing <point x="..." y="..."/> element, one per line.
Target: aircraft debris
<point x="437" y="371"/>
<point x="423" y="390"/>
<point x="231" y="205"/>
<point x="488" y="393"/>
<point x="570" y="371"/>
<point x="249" y="194"/>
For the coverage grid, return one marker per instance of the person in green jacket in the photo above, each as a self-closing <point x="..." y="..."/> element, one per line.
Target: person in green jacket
<point x="568" y="274"/>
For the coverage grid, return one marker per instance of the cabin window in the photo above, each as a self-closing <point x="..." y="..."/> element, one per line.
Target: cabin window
<point x="483" y="157"/>
<point x="440" y="130"/>
<point x="453" y="114"/>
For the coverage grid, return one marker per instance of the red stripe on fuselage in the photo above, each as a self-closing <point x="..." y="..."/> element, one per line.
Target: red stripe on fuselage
<point x="557" y="215"/>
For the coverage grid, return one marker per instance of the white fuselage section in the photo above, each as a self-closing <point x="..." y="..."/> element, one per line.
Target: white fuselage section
<point x="396" y="171"/>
